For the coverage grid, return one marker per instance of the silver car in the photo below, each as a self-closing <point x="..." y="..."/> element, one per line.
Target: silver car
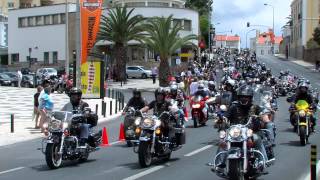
<point x="138" y="72"/>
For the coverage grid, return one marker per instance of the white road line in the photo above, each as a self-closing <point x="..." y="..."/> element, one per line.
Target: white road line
<point x="143" y="173"/>
<point x="307" y="177"/>
<point x="11" y="170"/>
<point x="116" y="142"/>
<point x="198" y="150"/>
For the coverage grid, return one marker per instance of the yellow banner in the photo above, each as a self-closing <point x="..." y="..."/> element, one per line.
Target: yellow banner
<point x="185" y="55"/>
<point x="90" y="79"/>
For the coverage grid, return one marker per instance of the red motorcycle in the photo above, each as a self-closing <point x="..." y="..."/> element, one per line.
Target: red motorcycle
<point x="198" y="103"/>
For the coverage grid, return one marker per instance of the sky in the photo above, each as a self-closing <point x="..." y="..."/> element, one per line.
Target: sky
<point x="234" y="15"/>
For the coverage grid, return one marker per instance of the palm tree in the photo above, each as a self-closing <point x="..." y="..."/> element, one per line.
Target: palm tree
<point x="164" y="39"/>
<point x="120" y="27"/>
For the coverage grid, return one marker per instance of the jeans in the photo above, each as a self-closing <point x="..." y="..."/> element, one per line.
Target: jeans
<point x="270" y="127"/>
<point x="84" y="131"/>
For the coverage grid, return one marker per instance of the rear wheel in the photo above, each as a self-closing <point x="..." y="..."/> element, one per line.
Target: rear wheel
<point x="195" y="122"/>
<point x="144" y="76"/>
<point x="303" y="135"/>
<point x="144" y="153"/>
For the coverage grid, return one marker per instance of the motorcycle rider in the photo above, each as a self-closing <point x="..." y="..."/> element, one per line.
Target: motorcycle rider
<point x="303" y="94"/>
<point x="76" y="103"/>
<point x="212" y="88"/>
<point x="137" y="102"/>
<point x="178" y="95"/>
<point x="238" y="113"/>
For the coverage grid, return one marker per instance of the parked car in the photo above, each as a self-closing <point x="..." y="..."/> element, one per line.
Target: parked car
<point x="27" y="81"/>
<point x="138" y="72"/>
<point x="5" y="80"/>
<point x="25" y="71"/>
<point x="47" y="71"/>
<point x="14" y="77"/>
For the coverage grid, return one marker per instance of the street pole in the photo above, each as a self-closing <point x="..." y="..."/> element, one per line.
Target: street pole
<point x="247" y="37"/>
<point x="78" y="46"/>
<point x="273" y="28"/>
<point x="209" y="32"/>
<point x="67" y="39"/>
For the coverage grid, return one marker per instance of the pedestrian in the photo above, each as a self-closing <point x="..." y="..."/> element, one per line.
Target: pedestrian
<point x="154" y="72"/>
<point x="36" y="110"/>
<point x="317" y="65"/>
<point x="19" y="78"/>
<point x="45" y="103"/>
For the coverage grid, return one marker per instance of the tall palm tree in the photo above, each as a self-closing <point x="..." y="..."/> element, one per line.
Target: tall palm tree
<point x="164" y="39"/>
<point x="120" y="27"/>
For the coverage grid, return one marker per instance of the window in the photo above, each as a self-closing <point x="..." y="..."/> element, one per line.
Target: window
<point x="10" y="5"/>
<point x="175" y="5"/>
<point x="23" y="22"/>
<point x="135" y="4"/>
<point x="187" y="25"/>
<point x="46" y="57"/>
<point x="15" y="58"/>
<point x="47" y="19"/>
<point x="158" y="4"/>
<point x="55" y="19"/>
<point x="62" y="18"/>
<point x="55" y="57"/>
<point x="31" y="21"/>
<point x="176" y="22"/>
<point x="6" y="35"/>
<point x="39" y="20"/>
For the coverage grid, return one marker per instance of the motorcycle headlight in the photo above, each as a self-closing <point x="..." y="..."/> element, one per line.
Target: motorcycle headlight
<point x="158" y="123"/>
<point x="235" y="132"/>
<point x="55" y="125"/>
<point x="302" y="113"/>
<point x="222" y="134"/>
<point x="65" y="125"/>
<point x="147" y="122"/>
<point x="137" y="121"/>
<point x="249" y="133"/>
<point x="45" y="125"/>
<point x="196" y="106"/>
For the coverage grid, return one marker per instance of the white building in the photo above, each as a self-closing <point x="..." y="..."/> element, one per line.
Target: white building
<point x="39" y="32"/>
<point x="42" y="29"/>
<point x="225" y="41"/>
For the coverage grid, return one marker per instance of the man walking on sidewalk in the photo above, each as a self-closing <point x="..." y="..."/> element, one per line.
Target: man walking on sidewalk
<point x="154" y="72"/>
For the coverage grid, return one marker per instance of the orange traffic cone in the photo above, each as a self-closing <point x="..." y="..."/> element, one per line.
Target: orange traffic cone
<point x="121" y="133"/>
<point x="105" y="141"/>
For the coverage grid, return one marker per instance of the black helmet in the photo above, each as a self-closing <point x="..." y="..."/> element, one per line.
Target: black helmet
<point x="160" y="91"/>
<point x="136" y="92"/>
<point x="173" y="89"/>
<point x="245" y="95"/>
<point x="75" y="90"/>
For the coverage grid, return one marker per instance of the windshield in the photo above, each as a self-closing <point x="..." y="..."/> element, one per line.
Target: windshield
<point x="51" y="70"/>
<point x="61" y="115"/>
<point x="4" y="76"/>
<point x="302" y="104"/>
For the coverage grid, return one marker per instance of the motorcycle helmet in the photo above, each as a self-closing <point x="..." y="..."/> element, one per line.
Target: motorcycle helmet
<point x="303" y="88"/>
<point x="178" y="78"/>
<point x="136" y="93"/>
<point x="245" y="95"/>
<point x="75" y="95"/>
<point x="281" y="73"/>
<point x="211" y="86"/>
<point x="201" y="87"/>
<point x="173" y="89"/>
<point x="160" y="94"/>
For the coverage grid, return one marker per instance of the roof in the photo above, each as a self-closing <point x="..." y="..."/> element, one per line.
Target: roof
<point x="262" y="40"/>
<point x="226" y="38"/>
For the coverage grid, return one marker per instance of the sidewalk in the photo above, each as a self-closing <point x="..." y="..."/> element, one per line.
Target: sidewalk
<point x="141" y="84"/>
<point x="24" y="125"/>
<point x="296" y="61"/>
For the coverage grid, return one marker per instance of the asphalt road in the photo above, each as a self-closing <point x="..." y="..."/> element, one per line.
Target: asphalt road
<point x="24" y="161"/>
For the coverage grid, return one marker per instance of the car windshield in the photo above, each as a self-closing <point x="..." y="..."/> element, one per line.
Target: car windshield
<point x="4" y="76"/>
<point x="10" y="75"/>
<point x="141" y="67"/>
<point x="51" y="70"/>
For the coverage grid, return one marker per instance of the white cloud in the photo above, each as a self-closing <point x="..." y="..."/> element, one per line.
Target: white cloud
<point x="234" y="14"/>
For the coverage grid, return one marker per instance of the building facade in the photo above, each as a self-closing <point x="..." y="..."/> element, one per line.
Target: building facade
<point x="225" y="41"/>
<point x="263" y="42"/>
<point x="305" y="18"/>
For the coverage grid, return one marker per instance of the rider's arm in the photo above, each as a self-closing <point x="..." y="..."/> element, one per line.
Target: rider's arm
<point x="148" y="107"/>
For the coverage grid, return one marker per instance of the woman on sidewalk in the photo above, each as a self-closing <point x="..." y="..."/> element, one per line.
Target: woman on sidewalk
<point x="36" y="110"/>
<point x="45" y="106"/>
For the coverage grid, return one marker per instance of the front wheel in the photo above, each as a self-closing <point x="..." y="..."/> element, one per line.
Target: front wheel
<point x="53" y="158"/>
<point x="144" y="152"/>
<point x="303" y="135"/>
<point x="235" y="172"/>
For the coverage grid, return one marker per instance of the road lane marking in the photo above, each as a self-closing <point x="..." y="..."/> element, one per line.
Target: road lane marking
<point x="144" y="173"/>
<point x="116" y="142"/>
<point x="198" y="151"/>
<point x="11" y="170"/>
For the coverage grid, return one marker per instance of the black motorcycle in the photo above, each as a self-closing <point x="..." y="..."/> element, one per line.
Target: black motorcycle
<point x="130" y="125"/>
<point x="62" y="143"/>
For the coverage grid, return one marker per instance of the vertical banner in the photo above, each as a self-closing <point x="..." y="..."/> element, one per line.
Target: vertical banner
<point x="90" y="12"/>
<point x="90" y="79"/>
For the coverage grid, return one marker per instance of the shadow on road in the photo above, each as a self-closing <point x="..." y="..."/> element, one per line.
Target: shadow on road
<point x="65" y="164"/>
<point x="287" y="130"/>
<point x="292" y="143"/>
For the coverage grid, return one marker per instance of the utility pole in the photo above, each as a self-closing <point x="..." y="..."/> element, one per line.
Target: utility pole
<point x="67" y="39"/>
<point x="78" y="46"/>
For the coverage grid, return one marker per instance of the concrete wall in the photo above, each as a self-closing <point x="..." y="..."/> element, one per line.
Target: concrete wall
<point x="312" y="55"/>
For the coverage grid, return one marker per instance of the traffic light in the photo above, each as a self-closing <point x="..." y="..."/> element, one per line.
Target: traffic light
<point x="248" y="24"/>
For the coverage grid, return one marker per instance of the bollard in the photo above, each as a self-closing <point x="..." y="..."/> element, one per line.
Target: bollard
<point x="12" y="123"/>
<point x="122" y="101"/>
<point x="105" y="109"/>
<point x="109" y="93"/>
<point x="110" y="107"/>
<point x="112" y="92"/>
<point x="102" y="107"/>
<point x="116" y="109"/>
<point x="313" y="159"/>
<point x="96" y="109"/>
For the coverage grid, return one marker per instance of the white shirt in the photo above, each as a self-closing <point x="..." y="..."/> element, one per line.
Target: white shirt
<point x="193" y="87"/>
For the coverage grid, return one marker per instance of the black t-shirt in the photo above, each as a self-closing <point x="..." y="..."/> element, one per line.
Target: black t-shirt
<point x="159" y="108"/>
<point x="36" y="99"/>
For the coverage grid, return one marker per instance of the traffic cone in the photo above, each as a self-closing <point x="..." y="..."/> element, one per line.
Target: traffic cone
<point x="121" y="133"/>
<point x="105" y="141"/>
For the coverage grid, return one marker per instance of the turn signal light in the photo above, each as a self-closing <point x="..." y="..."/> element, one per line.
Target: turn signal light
<point x="138" y="130"/>
<point x="158" y="131"/>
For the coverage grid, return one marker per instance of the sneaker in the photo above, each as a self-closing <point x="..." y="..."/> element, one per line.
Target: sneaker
<point x="210" y="164"/>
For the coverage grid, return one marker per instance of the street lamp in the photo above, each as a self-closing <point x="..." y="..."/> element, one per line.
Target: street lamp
<point x="247" y="36"/>
<point x="266" y="4"/>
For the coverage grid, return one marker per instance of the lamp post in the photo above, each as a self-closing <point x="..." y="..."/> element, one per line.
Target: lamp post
<point x="266" y="4"/>
<point x="247" y="36"/>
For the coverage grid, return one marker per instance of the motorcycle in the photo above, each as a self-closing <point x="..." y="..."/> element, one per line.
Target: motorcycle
<point x="303" y="125"/>
<point x="198" y="104"/>
<point x="130" y="126"/>
<point x="243" y="160"/>
<point x="155" y="139"/>
<point x="62" y="142"/>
